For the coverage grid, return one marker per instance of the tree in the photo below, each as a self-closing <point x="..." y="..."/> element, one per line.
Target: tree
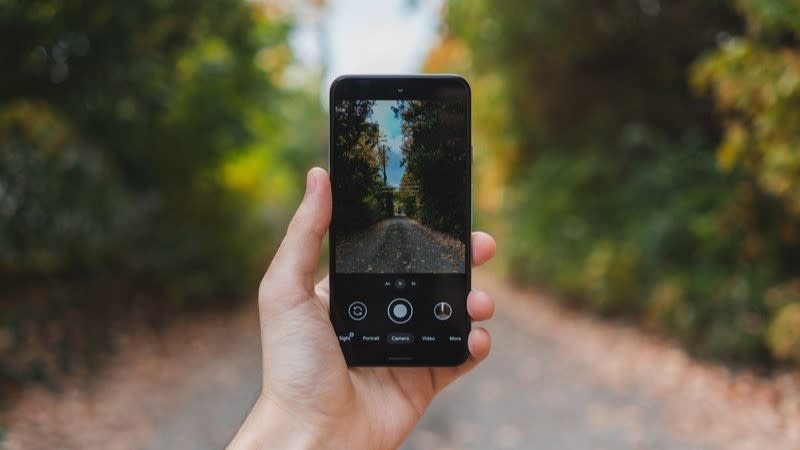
<point x="117" y="124"/>
<point x="436" y="161"/>
<point x="578" y="73"/>
<point x="408" y="196"/>
<point x="122" y="115"/>
<point x="357" y="182"/>
<point x="755" y="82"/>
<point x="622" y="193"/>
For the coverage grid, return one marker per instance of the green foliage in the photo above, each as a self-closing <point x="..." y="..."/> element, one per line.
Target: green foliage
<point x="434" y="162"/>
<point x="359" y="187"/>
<point x="620" y="197"/>
<point x="62" y="205"/>
<point x="783" y="337"/>
<point x="408" y="196"/>
<point x="755" y="81"/>
<point x="146" y="152"/>
<point x="578" y="72"/>
<point x="770" y="17"/>
<point x="125" y="113"/>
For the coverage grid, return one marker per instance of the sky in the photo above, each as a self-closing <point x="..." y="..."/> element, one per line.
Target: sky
<point x="367" y="36"/>
<point x="391" y="129"/>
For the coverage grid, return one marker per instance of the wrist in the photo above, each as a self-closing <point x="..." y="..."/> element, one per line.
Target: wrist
<point x="270" y="426"/>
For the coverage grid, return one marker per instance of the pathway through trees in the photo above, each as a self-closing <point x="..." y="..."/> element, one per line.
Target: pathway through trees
<point x="399" y="245"/>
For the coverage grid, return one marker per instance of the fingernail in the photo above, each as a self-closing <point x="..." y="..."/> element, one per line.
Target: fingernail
<point x="311" y="182"/>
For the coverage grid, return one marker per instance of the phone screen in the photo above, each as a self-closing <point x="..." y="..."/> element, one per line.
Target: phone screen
<point x="400" y="234"/>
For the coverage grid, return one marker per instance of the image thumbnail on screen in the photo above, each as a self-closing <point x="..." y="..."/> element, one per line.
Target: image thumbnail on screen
<point x="401" y="186"/>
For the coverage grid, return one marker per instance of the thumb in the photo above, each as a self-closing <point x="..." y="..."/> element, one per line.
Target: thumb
<point x="296" y="260"/>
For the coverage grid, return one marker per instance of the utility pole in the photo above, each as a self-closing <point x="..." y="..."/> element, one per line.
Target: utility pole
<point x="383" y="156"/>
<point x="383" y="151"/>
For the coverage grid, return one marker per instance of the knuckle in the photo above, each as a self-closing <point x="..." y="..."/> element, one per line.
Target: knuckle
<point x="280" y="287"/>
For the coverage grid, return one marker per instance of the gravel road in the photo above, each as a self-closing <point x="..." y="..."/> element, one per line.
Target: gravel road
<point x="528" y="396"/>
<point x="399" y="245"/>
<point x="556" y="379"/>
<point x="531" y="394"/>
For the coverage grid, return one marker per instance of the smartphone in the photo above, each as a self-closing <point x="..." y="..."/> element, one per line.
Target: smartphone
<point x="400" y="165"/>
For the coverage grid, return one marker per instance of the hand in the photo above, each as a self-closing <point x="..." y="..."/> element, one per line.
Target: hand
<point x="310" y="398"/>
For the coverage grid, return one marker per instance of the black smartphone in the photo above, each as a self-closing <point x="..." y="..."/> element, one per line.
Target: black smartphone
<point x="400" y="166"/>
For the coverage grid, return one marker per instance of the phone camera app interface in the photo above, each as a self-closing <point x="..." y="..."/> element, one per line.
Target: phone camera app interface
<point x="399" y="239"/>
<point x="401" y="172"/>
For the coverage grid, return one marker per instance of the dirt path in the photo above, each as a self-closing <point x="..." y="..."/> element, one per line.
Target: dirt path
<point x="556" y="380"/>
<point x="388" y="247"/>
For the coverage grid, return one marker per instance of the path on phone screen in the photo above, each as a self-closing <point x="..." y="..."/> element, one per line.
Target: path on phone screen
<point x="556" y="379"/>
<point x="399" y="245"/>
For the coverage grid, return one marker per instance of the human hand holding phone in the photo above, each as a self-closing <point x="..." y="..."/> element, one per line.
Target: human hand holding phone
<point x="310" y="398"/>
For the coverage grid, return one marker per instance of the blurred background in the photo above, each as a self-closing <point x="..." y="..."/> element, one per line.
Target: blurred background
<point x="638" y="161"/>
